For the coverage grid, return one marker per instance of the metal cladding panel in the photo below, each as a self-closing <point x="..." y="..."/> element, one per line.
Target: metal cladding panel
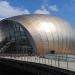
<point x="48" y="33"/>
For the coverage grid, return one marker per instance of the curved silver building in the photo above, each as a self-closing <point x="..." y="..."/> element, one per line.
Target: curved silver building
<point x="36" y="34"/>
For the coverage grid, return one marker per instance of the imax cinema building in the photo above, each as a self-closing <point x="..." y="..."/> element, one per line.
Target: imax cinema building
<point x="36" y="34"/>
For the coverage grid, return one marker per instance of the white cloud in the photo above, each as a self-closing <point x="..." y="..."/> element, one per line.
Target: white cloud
<point x="42" y="10"/>
<point x="53" y="8"/>
<point x="46" y="8"/>
<point x="6" y="10"/>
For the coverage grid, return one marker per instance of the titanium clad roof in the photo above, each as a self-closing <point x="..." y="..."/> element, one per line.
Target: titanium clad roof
<point x="48" y="33"/>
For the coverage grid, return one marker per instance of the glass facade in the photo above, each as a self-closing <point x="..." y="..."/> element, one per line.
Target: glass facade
<point x="16" y="40"/>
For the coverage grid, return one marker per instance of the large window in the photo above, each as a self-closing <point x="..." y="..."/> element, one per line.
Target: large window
<point x="17" y="40"/>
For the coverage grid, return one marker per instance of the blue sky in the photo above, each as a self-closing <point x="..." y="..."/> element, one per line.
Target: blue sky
<point x="62" y="8"/>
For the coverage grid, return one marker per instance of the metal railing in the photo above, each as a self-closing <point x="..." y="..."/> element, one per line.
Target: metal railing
<point x="58" y="60"/>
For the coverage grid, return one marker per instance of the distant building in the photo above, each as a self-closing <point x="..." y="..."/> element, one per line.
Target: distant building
<point x="36" y="34"/>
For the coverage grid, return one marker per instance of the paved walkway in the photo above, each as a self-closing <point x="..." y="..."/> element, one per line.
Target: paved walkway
<point x="61" y="64"/>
